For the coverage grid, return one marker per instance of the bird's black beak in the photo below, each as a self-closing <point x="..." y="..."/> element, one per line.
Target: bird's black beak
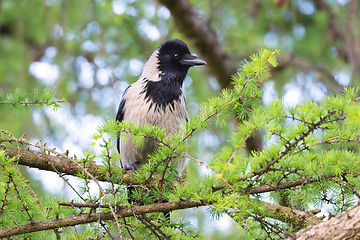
<point x="192" y="60"/>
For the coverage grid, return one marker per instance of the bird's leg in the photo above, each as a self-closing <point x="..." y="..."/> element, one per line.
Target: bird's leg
<point x="134" y="167"/>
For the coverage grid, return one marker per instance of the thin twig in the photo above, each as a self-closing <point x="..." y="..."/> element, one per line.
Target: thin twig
<point x="44" y="148"/>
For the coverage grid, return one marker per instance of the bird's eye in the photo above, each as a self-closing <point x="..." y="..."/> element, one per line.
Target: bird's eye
<point x="176" y="56"/>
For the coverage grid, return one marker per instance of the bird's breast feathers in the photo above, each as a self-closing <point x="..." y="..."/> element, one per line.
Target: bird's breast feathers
<point x="154" y="102"/>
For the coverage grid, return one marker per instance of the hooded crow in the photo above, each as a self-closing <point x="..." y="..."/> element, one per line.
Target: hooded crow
<point x="156" y="98"/>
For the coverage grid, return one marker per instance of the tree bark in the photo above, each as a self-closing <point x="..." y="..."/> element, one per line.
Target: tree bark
<point x="42" y="161"/>
<point x="94" y="217"/>
<point x="346" y="225"/>
<point x="37" y="159"/>
<point x="291" y="216"/>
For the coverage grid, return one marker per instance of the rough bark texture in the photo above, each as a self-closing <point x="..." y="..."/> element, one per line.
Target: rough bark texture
<point x="297" y="218"/>
<point x="42" y="161"/>
<point x="346" y="225"/>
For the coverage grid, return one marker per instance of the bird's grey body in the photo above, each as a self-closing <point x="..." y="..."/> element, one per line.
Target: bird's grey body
<point x="156" y="98"/>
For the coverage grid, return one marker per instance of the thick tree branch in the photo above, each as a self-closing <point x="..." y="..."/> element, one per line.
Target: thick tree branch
<point x="289" y="215"/>
<point x="273" y="187"/>
<point x="45" y="150"/>
<point x="297" y="218"/>
<point x="94" y="217"/>
<point x="346" y="225"/>
<point x="37" y="159"/>
<point x="42" y="161"/>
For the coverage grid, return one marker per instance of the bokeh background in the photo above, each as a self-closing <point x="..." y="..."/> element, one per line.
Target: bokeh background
<point x="89" y="51"/>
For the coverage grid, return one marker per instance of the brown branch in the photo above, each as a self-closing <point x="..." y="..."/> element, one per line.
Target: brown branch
<point x="286" y="214"/>
<point x="346" y="225"/>
<point x="274" y="187"/>
<point x="94" y="217"/>
<point x="288" y="148"/>
<point x="42" y="161"/>
<point x="85" y="205"/>
<point x="346" y="184"/>
<point x="297" y="218"/>
<point x="31" y="103"/>
<point x="45" y="150"/>
<point x="270" y="228"/>
<point x="37" y="159"/>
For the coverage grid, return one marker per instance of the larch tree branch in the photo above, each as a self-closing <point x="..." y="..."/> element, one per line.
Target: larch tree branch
<point x="39" y="160"/>
<point x="61" y="164"/>
<point x="94" y="217"/>
<point x="286" y="214"/>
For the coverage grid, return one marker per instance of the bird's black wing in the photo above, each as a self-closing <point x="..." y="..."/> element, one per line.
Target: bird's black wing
<point x="187" y="120"/>
<point x="120" y="116"/>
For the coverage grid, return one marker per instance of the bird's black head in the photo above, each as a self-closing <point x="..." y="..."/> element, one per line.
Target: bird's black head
<point x="172" y="60"/>
<point x="175" y="60"/>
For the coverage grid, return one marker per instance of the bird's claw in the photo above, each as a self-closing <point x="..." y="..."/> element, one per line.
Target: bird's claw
<point x="134" y="167"/>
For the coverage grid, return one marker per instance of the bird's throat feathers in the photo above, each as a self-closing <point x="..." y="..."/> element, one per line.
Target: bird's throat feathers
<point x="161" y="94"/>
<point x="162" y="87"/>
<point x="156" y="69"/>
